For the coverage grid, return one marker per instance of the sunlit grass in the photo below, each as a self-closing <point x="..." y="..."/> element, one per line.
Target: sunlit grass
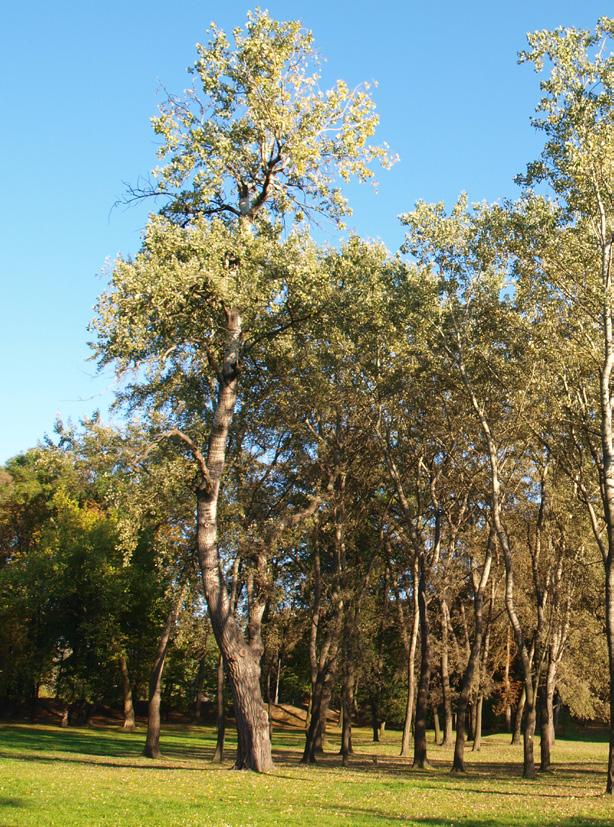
<point x="52" y="776"/>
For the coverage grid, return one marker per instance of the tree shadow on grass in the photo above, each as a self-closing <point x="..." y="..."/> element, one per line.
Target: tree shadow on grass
<point x="468" y="821"/>
<point x="160" y="766"/>
<point x="111" y="744"/>
<point x="12" y="802"/>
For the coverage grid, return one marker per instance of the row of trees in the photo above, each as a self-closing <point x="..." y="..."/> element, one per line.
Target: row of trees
<point x="425" y="435"/>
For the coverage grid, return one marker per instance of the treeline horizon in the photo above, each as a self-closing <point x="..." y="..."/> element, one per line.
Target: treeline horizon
<point x="382" y="478"/>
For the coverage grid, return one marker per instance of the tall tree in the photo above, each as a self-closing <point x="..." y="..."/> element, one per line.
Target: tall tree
<point x="257" y="144"/>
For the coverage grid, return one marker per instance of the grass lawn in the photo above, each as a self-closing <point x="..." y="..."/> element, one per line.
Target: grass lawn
<point x="96" y="776"/>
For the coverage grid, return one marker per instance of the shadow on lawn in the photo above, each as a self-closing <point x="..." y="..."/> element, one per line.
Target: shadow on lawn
<point x="96" y="742"/>
<point x="11" y="802"/>
<point x="472" y="821"/>
<point x="104" y="745"/>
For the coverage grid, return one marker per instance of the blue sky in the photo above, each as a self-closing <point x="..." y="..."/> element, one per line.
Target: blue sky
<point x="79" y="82"/>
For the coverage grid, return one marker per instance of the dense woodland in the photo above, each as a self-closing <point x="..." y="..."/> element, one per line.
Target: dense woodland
<point x="376" y="481"/>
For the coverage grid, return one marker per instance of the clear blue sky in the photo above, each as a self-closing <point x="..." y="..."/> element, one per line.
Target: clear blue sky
<point x="80" y="80"/>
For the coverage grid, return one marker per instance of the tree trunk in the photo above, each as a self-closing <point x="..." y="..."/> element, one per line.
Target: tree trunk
<point x="200" y="681"/>
<point x="518" y="718"/>
<point x="277" y="679"/>
<point x="436" y="725"/>
<point x="411" y="671"/>
<point x="152" y="742"/>
<point x="479" y="706"/>
<point x="458" y="764"/>
<point x="528" y="768"/>
<point x="129" y="721"/>
<point x="545" y="725"/>
<point x="242" y="658"/>
<point x="506" y="681"/>
<point x="218" y="755"/>
<point x="375" y="721"/>
<point x="445" y="677"/>
<point x="420" y="747"/>
<point x="321" y="695"/>
<point x="347" y="697"/>
<point x="477" y="733"/>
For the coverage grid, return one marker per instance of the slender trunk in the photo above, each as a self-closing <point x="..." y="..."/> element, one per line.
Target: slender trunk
<point x="477" y="733"/>
<point x="479" y="706"/>
<point x="550" y="689"/>
<point x="200" y="682"/>
<point x="506" y="681"/>
<point x="545" y="727"/>
<point x="518" y="718"/>
<point x="152" y="742"/>
<point x="519" y="637"/>
<point x="129" y="722"/>
<point x="609" y="603"/>
<point x="436" y="725"/>
<point x="458" y="764"/>
<point x="411" y="671"/>
<point x="347" y="696"/>
<point x="218" y="755"/>
<point x="374" y="720"/>
<point x="277" y="679"/>
<point x="530" y="718"/>
<point x="445" y="677"/>
<point x="314" y="741"/>
<point x="420" y="747"/>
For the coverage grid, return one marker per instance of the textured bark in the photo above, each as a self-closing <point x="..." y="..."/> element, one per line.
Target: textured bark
<point x="152" y="742"/>
<point x="129" y="721"/>
<point x="241" y="656"/>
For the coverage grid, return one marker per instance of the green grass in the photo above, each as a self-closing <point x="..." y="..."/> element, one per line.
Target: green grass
<point x="51" y="776"/>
